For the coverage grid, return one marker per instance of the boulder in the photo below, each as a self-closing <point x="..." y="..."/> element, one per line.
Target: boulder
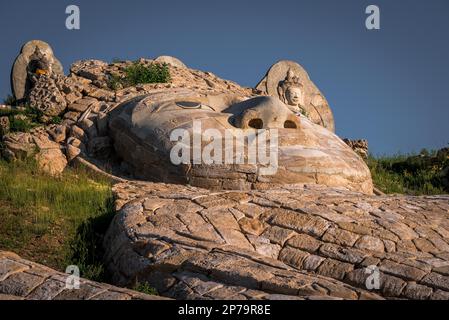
<point x="37" y="143"/>
<point x="359" y="146"/>
<point x="72" y="152"/>
<point x="57" y="132"/>
<point x="89" y="69"/>
<point x="18" y="145"/>
<point x="46" y="96"/>
<point x="51" y="161"/>
<point x="171" y="60"/>
<point x="78" y="133"/>
<point x="83" y="104"/>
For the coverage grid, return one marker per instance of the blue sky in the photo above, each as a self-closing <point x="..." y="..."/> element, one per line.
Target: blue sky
<point x="389" y="86"/>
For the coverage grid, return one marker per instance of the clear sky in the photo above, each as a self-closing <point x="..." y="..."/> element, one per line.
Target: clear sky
<point x="389" y="86"/>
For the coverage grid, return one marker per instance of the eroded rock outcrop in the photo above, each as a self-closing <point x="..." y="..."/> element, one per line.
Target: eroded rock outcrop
<point x="21" y="279"/>
<point x="300" y="241"/>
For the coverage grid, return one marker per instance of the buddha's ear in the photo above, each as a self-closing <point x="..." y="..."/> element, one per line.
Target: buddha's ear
<point x="281" y="92"/>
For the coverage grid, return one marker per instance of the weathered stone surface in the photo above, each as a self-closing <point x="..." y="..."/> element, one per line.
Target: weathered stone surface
<point x="21" y="279"/>
<point x="46" y="97"/>
<point x="370" y="243"/>
<point x="436" y="280"/>
<point x="72" y="152"/>
<point x="58" y="133"/>
<point x="339" y="236"/>
<point x="18" y="145"/>
<point x="293" y="257"/>
<point x="251" y="226"/>
<point x="298" y="253"/>
<point x="304" y="242"/>
<point x="391" y="286"/>
<point x="402" y="271"/>
<point x="359" y="146"/>
<point x="417" y="292"/>
<point x="170" y="60"/>
<point x="334" y="269"/>
<point x="77" y="133"/>
<point x="20" y="284"/>
<point x="102" y="124"/>
<point x="52" y="161"/>
<point x="36" y="143"/>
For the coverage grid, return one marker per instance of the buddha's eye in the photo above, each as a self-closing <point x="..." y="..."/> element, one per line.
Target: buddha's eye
<point x="188" y="104"/>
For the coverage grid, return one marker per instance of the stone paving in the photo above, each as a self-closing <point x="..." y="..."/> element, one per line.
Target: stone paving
<point x="21" y="279"/>
<point x="291" y="242"/>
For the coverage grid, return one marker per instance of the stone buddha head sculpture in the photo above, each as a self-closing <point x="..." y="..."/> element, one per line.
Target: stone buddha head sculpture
<point x="149" y="131"/>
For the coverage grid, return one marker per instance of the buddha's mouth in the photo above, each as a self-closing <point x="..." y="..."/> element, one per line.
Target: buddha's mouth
<point x="295" y="100"/>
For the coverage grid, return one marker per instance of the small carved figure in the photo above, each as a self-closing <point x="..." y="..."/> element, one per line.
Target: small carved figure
<point x="291" y="92"/>
<point x="39" y="65"/>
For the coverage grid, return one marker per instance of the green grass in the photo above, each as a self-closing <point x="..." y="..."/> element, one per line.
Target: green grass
<point x="139" y="73"/>
<point x="55" y="221"/>
<point x="410" y="174"/>
<point x="144" y="287"/>
<point x="32" y="120"/>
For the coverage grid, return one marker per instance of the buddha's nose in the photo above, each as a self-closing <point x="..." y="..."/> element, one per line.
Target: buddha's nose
<point x="264" y="113"/>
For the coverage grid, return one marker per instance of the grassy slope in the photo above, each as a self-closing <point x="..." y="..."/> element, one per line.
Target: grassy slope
<point x="409" y="174"/>
<point x="56" y="222"/>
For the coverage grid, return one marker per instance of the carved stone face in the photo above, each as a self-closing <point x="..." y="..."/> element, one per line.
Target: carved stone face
<point x="294" y="96"/>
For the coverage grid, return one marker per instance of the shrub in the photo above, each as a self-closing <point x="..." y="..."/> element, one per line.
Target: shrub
<point x="145" y="288"/>
<point x="56" y="120"/>
<point x="20" y="125"/>
<point x="410" y="174"/>
<point x="139" y="73"/>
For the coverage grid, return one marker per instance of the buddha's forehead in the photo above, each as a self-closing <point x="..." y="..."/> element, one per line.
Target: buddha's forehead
<point x="184" y="102"/>
<point x="292" y="89"/>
